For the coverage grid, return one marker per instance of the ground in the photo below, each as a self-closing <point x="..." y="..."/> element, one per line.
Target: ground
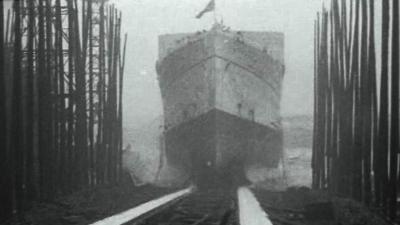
<point x="87" y="206"/>
<point x="301" y="206"/>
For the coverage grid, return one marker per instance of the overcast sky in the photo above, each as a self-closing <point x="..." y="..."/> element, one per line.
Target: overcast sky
<point x="144" y="20"/>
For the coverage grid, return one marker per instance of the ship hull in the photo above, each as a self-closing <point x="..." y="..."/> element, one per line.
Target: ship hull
<point x="221" y="100"/>
<point x="216" y="148"/>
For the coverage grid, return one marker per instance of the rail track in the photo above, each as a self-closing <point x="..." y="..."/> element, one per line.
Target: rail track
<point x="191" y="206"/>
<point x="243" y="206"/>
<point x="211" y="207"/>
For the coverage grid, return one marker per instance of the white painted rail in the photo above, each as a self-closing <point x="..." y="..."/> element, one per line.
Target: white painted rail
<point x="137" y="211"/>
<point x="250" y="211"/>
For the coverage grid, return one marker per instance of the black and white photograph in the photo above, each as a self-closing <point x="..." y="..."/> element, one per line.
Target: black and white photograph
<point x="199" y="112"/>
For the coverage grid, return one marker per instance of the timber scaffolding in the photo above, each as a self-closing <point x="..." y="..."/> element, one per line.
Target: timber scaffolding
<point x="356" y="140"/>
<point x="60" y="99"/>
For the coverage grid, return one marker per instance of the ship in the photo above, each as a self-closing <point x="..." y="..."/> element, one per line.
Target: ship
<point x="221" y="92"/>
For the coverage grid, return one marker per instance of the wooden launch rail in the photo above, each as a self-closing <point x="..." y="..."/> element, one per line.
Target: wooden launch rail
<point x="144" y="208"/>
<point x="250" y="211"/>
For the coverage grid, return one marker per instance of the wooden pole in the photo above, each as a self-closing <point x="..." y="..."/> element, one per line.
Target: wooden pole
<point x="323" y="95"/>
<point x="320" y="129"/>
<point x="357" y="151"/>
<point x="5" y="182"/>
<point x="100" y="112"/>
<point x="91" y="92"/>
<point x="315" y="116"/>
<point x="71" y="168"/>
<point x="121" y="87"/>
<point x="61" y="99"/>
<point x="372" y="84"/>
<point x="382" y="177"/>
<point x="329" y="102"/>
<point x="394" y="134"/>
<point x="47" y="99"/>
<point x="42" y="88"/>
<point x="3" y="128"/>
<point x="17" y="148"/>
<point x="81" y="115"/>
<point x="365" y="101"/>
<point x="31" y="176"/>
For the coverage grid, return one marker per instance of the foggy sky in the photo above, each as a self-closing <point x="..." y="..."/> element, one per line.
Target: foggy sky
<point x="144" y="20"/>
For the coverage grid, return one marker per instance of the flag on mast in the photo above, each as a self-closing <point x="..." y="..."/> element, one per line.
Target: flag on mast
<point x="210" y="7"/>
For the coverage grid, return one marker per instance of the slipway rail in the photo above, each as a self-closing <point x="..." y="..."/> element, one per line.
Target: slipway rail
<point x="203" y="207"/>
<point x="144" y="208"/>
<point x="189" y="207"/>
<point x="250" y="211"/>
